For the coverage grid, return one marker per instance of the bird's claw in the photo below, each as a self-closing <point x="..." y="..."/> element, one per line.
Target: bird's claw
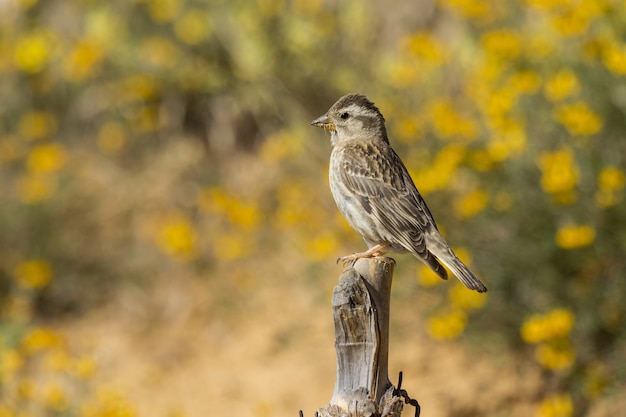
<point x="349" y="259"/>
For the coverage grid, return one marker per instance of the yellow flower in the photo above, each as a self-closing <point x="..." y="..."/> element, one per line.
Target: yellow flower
<point x="481" y="160"/>
<point x="40" y="338"/>
<point x="443" y="167"/>
<point x="34" y="189"/>
<point x="108" y="404"/>
<point x="55" y="397"/>
<point x="502" y="43"/>
<point x="560" y="405"/>
<point x="407" y="129"/>
<point x="555" y="324"/>
<point x="177" y="238"/>
<point x="25" y="389"/>
<point x="610" y="183"/>
<point x="464" y="299"/>
<point x="83" y="59"/>
<point x="403" y="74"/>
<point x="499" y="103"/>
<point x="525" y="82"/>
<point x="571" y="24"/>
<point x="10" y="362"/>
<point x="537" y="46"/>
<point x="213" y="200"/>
<point x="37" y="125"/>
<point x="614" y="58"/>
<point x="448" y="122"/>
<point x="192" y="27"/>
<point x="578" y="119"/>
<point x="508" y="139"/>
<point x="45" y="159"/>
<point x="244" y="214"/>
<point x="564" y="84"/>
<point x="611" y="178"/>
<point x="471" y="204"/>
<point x="446" y="325"/>
<point x="34" y="273"/>
<point x="574" y="237"/>
<point x="33" y="50"/>
<point x="424" y="46"/>
<point x="470" y="8"/>
<point x="138" y="87"/>
<point x="321" y="246"/>
<point x="555" y="355"/>
<point x="559" y="171"/>
<point x="427" y="277"/>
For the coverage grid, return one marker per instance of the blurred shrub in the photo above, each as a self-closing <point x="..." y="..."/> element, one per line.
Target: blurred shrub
<point x="169" y="135"/>
<point x="40" y="375"/>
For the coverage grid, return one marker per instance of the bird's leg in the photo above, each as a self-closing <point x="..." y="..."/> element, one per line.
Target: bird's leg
<point x="373" y="252"/>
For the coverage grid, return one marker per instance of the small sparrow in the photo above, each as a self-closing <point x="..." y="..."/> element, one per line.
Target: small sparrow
<point x="375" y="193"/>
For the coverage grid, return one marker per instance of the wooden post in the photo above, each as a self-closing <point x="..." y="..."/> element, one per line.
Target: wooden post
<point x="361" y="313"/>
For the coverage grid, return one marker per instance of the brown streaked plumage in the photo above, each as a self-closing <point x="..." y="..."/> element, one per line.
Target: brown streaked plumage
<point x="375" y="193"/>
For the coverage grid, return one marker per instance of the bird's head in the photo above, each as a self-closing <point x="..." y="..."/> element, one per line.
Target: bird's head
<point x="353" y="117"/>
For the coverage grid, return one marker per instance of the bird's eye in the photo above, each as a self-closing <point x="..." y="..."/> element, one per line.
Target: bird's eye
<point x="344" y="116"/>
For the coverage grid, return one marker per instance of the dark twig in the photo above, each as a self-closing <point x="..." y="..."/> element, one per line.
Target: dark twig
<point x="407" y="399"/>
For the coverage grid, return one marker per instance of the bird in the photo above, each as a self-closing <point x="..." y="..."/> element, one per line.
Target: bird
<point x="375" y="193"/>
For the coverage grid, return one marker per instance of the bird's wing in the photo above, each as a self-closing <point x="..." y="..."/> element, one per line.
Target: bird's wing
<point x="380" y="181"/>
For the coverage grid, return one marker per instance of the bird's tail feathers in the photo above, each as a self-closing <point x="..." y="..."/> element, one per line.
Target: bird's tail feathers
<point x="432" y="262"/>
<point x="463" y="273"/>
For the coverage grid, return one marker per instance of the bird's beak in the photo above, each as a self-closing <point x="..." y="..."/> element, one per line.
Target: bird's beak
<point x="324" y="122"/>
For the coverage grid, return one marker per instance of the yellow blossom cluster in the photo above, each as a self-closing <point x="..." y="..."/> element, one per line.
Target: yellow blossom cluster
<point x="575" y="236"/>
<point x="41" y="375"/>
<point x="450" y="322"/>
<point x="578" y="119"/>
<point x="611" y="182"/>
<point x="33" y="273"/>
<point x="556" y="405"/>
<point x="177" y="237"/>
<point x="550" y="332"/>
<point x="560" y="174"/>
<point x="44" y="158"/>
<point x="234" y="236"/>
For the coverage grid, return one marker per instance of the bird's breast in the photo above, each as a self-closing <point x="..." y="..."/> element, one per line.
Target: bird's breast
<point x="349" y="203"/>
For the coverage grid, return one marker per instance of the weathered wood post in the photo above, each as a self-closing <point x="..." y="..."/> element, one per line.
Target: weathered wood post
<point x="361" y="313"/>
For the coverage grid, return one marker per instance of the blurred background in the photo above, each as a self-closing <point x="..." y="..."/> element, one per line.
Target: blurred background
<point x="168" y="238"/>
